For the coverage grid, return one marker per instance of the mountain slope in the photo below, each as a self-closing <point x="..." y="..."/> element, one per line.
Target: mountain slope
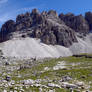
<point x="29" y="47"/>
<point x="34" y="48"/>
<point x="46" y="34"/>
<point x="83" y="45"/>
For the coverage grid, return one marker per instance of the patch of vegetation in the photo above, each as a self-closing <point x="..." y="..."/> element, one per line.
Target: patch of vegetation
<point x="80" y="71"/>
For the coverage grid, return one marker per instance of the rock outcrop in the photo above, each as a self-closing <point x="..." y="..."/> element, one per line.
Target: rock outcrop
<point x="46" y="26"/>
<point x="77" y="23"/>
<point x="88" y="17"/>
<point x="7" y="28"/>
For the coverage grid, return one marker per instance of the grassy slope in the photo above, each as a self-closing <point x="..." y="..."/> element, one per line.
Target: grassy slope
<point x="82" y="67"/>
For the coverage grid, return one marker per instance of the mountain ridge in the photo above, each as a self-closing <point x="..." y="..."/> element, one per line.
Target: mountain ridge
<point x="50" y="27"/>
<point x="46" y="34"/>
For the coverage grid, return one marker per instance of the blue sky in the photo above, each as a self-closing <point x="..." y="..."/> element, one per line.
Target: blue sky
<point x="9" y="9"/>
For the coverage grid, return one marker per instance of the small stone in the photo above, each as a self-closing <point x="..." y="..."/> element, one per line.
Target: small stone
<point x="8" y="78"/>
<point x="28" y="82"/>
<point x="4" y="91"/>
<point x="6" y="63"/>
<point x="53" y="85"/>
<point x="83" y="76"/>
<point x="66" y="78"/>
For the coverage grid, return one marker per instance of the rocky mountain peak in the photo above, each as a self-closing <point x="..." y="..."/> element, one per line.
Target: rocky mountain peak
<point x="77" y="23"/>
<point x="53" y="13"/>
<point x="35" y="11"/>
<point x="47" y="26"/>
<point x="23" y="16"/>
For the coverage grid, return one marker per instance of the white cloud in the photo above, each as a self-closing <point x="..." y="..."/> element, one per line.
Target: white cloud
<point x="3" y="1"/>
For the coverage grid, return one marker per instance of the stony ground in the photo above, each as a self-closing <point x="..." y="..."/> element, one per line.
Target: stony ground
<point x="69" y="74"/>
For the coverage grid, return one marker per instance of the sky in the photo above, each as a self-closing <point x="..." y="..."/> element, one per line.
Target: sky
<point x="9" y="9"/>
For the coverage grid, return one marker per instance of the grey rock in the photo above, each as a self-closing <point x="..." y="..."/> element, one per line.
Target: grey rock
<point x="88" y="17"/>
<point x="46" y="26"/>
<point x="66" y="78"/>
<point x="78" y="23"/>
<point x="7" y="28"/>
<point x="8" y="78"/>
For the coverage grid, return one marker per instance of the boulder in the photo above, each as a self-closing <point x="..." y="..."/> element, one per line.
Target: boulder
<point x="8" y="78"/>
<point x="69" y="86"/>
<point x="66" y="78"/>
<point x="28" y="82"/>
<point x="54" y="85"/>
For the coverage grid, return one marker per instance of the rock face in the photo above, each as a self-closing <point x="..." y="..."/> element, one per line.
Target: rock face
<point x="49" y="38"/>
<point x="7" y="28"/>
<point x="46" y="26"/>
<point x="78" y="23"/>
<point x="88" y="17"/>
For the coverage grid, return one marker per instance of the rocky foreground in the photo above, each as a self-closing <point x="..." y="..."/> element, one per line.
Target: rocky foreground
<point x="70" y="74"/>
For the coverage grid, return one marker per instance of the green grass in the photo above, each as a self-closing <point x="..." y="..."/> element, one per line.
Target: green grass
<point x="83" y="67"/>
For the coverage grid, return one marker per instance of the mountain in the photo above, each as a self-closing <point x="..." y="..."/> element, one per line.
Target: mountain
<point x="46" y="25"/>
<point x="77" y="23"/>
<point x="46" y="34"/>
